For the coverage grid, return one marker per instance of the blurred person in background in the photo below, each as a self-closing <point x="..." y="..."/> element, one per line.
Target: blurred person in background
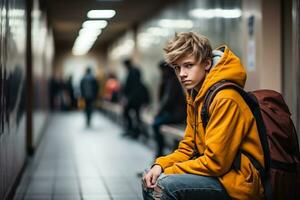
<point x="134" y="96"/>
<point x="53" y="92"/>
<point x="172" y="105"/>
<point x="89" y="91"/>
<point x="70" y="90"/>
<point x="111" y="88"/>
<point x="57" y="93"/>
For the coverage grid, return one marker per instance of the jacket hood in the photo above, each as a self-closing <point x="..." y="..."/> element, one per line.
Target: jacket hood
<point x="226" y="66"/>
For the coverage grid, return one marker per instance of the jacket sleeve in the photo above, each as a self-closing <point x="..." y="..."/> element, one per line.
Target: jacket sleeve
<point x="224" y="132"/>
<point x="184" y="151"/>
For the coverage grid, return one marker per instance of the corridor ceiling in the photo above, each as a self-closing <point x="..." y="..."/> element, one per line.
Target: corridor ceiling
<point x="67" y="16"/>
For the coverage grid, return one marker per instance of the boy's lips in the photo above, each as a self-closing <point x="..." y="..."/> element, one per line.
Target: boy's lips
<point x="185" y="81"/>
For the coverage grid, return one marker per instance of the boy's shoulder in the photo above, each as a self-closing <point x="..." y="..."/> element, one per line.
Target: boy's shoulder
<point x="230" y="94"/>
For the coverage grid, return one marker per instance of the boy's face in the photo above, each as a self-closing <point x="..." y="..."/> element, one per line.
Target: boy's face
<point x="190" y="72"/>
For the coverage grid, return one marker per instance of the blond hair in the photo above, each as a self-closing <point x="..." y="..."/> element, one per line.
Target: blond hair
<point x="186" y="44"/>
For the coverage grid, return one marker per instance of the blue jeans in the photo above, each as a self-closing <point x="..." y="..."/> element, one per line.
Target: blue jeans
<point x="186" y="186"/>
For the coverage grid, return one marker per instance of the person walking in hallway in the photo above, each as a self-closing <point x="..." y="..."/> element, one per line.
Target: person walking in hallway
<point x="89" y="90"/>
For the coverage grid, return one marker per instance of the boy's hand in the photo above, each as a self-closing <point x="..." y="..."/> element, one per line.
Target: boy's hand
<point x="150" y="178"/>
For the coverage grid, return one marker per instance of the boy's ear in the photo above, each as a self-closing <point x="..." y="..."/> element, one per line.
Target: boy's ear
<point x="207" y="64"/>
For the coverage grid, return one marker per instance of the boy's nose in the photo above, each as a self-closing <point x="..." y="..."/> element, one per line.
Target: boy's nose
<point x="182" y="72"/>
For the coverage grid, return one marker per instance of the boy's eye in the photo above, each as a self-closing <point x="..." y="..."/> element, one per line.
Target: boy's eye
<point x="189" y="65"/>
<point x="176" y="68"/>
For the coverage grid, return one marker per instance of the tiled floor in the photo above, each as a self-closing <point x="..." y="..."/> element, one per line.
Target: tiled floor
<point x="74" y="162"/>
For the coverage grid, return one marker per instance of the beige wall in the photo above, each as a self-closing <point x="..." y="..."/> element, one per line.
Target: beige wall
<point x="267" y="37"/>
<point x="272" y="58"/>
<point x="252" y="8"/>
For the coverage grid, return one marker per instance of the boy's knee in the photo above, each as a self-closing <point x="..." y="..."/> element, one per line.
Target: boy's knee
<point x="157" y="192"/>
<point x="152" y="193"/>
<point x="165" y="183"/>
<point x="161" y="190"/>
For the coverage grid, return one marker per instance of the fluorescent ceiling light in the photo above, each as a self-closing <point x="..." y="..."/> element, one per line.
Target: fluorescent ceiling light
<point x="87" y="40"/>
<point x="105" y="14"/>
<point x="79" y="52"/>
<point x="87" y="36"/>
<point x="175" y="23"/>
<point x="95" y="24"/>
<point x="83" y="44"/>
<point x="214" y="13"/>
<point x="92" y="32"/>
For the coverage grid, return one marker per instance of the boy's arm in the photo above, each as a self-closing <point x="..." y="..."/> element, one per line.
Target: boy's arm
<point x="223" y="136"/>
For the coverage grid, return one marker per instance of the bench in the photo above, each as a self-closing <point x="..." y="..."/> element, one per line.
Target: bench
<point x="113" y="110"/>
<point x="173" y="132"/>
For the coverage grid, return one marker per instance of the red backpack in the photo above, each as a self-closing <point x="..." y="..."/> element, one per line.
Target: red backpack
<point x="277" y="133"/>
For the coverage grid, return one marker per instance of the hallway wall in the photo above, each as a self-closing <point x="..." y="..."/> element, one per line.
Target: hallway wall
<point x="25" y="61"/>
<point x="12" y="92"/>
<point x="41" y="69"/>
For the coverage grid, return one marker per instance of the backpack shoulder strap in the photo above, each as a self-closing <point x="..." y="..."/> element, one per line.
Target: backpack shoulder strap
<point x="212" y="92"/>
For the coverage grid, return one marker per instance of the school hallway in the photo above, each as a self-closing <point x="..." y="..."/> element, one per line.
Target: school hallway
<point x="74" y="162"/>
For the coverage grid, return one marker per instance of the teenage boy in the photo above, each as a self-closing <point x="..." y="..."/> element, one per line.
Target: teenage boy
<point x="202" y="166"/>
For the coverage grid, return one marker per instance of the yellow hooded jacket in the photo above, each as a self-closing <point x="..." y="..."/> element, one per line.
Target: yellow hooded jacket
<point x="231" y="127"/>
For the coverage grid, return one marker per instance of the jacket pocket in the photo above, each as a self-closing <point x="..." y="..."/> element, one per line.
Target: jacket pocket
<point x="252" y="182"/>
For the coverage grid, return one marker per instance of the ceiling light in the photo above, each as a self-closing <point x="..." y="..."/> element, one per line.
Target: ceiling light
<point x="175" y="23"/>
<point x="95" y="24"/>
<point x="79" y="52"/>
<point x="214" y="13"/>
<point x="87" y="31"/>
<point x="105" y="14"/>
<point x="85" y="39"/>
<point x="83" y="44"/>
